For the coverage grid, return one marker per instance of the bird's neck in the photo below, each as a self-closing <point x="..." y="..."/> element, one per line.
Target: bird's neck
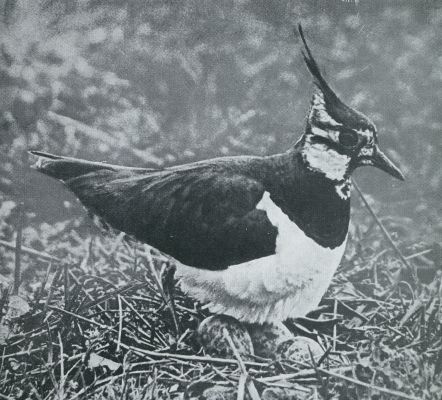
<point x="321" y="158"/>
<point x="318" y="159"/>
<point x="309" y="198"/>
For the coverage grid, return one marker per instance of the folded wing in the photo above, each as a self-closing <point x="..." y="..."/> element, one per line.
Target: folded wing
<point x="200" y="214"/>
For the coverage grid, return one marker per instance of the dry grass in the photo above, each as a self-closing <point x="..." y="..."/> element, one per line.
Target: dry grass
<point x="98" y="324"/>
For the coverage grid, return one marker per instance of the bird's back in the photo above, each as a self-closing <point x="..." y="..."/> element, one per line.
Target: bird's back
<point x="205" y="214"/>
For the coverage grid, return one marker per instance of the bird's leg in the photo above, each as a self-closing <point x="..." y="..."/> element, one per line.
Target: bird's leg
<point x="168" y="283"/>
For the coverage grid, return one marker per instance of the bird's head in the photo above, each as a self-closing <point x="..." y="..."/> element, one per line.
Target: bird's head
<point x="337" y="138"/>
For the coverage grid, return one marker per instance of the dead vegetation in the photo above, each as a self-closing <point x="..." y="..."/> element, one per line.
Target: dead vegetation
<point x="84" y="317"/>
<point x="92" y="320"/>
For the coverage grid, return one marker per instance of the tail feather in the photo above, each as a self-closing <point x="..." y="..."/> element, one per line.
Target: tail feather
<point x="45" y="155"/>
<point x="104" y="189"/>
<point x="66" y="168"/>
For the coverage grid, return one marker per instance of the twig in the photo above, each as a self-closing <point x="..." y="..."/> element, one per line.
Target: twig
<point x="112" y="294"/>
<point x="192" y="358"/>
<point x="66" y="284"/>
<point x="324" y="356"/>
<point x="3" y="359"/>
<point x="335" y="311"/>
<point x="235" y="351"/>
<point x="62" y="377"/>
<point x="73" y="379"/>
<point x="28" y="250"/>
<point x="168" y="284"/>
<point x="415" y="307"/>
<point x="40" y="293"/>
<point x="421" y="253"/>
<point x="50" y="353"/>
<point x="18" y="246"/>
<point x="90" y="297"/>
<point x="249" y="384"/>
<point x="381" y="306"/>
<point x="241" y="387"/>
<point x="34" y="391"/>
<point x="22" y="353"/>
<point x="354" y="312"/>
<point x="120" y="322"/>
<point x="385" y="232"/>
<point x="305" y="373"/>
<point x="368" y="385"/>
<point x="90" y="321"/>
<point x="154" y="331"/>
<point x="318" y="374"/>
<point x="49" y="257"/>
<point x="167" y="297"/>
<point x="51" y="288"/>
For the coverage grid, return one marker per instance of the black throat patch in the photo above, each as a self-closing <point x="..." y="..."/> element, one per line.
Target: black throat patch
<point x="318" y="205"/>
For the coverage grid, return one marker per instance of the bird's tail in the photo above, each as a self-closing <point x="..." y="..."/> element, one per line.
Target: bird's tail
<point x="104" y="189"/>
<point x="66" y="168"/>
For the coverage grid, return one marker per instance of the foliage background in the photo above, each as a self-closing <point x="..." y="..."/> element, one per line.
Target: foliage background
<point x="163" y="82"/>
<point x="173" y="82"/>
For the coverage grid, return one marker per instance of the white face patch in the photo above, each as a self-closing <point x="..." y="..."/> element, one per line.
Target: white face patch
<point x="319" y="157"/>
<point x="333" y="135"/>
<point x="344" y="189"/>
<point x="319" y="113"/>
<point x="366" y="152"/>
<point x="287" y="284"/>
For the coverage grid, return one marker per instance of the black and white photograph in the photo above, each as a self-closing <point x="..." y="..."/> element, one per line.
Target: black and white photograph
<point x="220" y="200"/>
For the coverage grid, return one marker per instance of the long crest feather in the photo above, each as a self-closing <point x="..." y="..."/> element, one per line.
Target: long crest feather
<point x="336" y="108"/>
<point x="313" y="67"/>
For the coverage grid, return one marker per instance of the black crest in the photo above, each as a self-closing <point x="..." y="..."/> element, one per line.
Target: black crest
<point x="335" y="107"/>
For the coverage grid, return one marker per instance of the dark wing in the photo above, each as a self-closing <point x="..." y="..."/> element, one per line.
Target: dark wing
<point x="204" y="216"/>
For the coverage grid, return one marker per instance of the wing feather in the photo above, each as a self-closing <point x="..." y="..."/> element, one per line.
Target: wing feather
<point x="204" y="216"/>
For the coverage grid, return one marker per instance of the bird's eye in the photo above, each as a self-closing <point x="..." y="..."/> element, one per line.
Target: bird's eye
<point x="348" y="138"/>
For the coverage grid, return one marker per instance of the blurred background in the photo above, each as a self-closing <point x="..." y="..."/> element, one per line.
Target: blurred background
<point x="161" y="82"/>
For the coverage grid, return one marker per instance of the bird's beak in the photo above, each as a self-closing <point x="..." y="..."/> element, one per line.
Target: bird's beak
<point x="381" y="161"/>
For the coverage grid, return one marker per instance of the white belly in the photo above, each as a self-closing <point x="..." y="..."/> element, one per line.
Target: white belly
<point x="289" y="283"/>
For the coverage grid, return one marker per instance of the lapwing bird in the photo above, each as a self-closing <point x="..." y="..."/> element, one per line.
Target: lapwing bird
<point x="255" y="238"/>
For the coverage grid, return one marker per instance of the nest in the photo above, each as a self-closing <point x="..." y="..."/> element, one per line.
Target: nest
<point x="102" y="324"/>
